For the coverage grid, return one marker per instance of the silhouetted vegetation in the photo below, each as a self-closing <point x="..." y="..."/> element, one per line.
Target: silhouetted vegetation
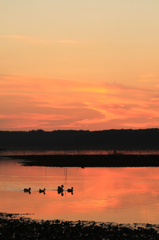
<point x="14" y="227"/>
<point x="70" y="139"/>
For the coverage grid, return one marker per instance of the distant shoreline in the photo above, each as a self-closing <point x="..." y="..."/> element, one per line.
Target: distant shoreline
<point x="112" y="160"/>
<point x="81" y="140"/>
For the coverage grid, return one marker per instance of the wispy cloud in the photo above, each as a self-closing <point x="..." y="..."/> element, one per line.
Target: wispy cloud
<point x="71" y="41"/>
<point x="38" y="40"/>
<point x="26" y="39"/>
<point x="63" y="104"/>
<point x="16" y="37"/>
<point x="148" y="78"/>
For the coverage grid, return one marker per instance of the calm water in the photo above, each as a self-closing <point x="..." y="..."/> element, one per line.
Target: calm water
<point x="123" y="195"/>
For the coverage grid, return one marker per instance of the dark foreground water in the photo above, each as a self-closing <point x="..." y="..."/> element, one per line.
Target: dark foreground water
<point x="122" y="195"/>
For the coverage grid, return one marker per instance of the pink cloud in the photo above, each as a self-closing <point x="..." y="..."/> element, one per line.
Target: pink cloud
<point x="70" y="41"/>
<point x="46" y="103"/>
<point x="26" y="39"/>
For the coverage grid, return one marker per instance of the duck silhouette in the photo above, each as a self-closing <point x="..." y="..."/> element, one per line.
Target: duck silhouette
<point x="42" y="191"/>
<point x="60" y="189"/>
<point x="27" y="190"/>
<point x="70" y="190"/>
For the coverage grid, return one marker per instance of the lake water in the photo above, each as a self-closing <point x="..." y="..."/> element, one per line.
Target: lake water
<point x="123" y="195"/>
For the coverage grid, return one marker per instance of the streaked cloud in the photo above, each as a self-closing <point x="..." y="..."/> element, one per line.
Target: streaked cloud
<point x="71" y="41"/>
<point x="38" y="40"/>
<point x="17" y="37"/>
<point x="26" y="39"/>
<point x="33" y="103"/>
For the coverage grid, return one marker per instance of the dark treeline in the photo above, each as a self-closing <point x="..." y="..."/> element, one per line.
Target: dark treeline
<point x="70" y="139"/>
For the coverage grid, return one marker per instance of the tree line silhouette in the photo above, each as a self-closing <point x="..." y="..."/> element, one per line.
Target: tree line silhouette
<point x="71" y="139"/>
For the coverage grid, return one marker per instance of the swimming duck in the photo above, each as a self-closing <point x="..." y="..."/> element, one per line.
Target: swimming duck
<point x="42" y="190"/>
<point x="60" y="189"/>
<point x="27" y="190"/>
<point x="70" y="190"/>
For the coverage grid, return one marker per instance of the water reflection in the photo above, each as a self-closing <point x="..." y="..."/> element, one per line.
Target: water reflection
<point x="123" y="195"/>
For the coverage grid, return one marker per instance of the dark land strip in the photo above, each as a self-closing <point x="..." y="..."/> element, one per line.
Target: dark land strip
<point x="14" y="227"/>
<point x="141" y="139"/>
<point x="89" y="160"/>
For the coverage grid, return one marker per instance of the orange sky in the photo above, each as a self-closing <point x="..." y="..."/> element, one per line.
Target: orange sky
<point x="88" y="65"/>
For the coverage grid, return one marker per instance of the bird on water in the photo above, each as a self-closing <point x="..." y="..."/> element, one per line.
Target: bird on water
<point x="70" y="190"/>
<point x="27" y="190"/>
<point x="42" y="190"/>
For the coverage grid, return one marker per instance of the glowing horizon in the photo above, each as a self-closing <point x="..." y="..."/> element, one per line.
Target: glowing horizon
<point x="79" y="65"/>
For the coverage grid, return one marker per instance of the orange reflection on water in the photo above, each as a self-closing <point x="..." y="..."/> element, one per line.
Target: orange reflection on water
<point x="100" y="194"/>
